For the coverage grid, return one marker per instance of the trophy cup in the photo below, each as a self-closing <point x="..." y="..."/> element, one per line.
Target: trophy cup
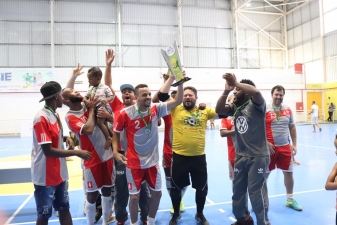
<point x="172" y="59"/>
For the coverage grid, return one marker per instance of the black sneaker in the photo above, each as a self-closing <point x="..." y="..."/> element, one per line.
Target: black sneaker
<point x="98" y="215"/>
<point x="201" y="219"/>
<point x="248" y="221"/>
<point x="174" y="219"/>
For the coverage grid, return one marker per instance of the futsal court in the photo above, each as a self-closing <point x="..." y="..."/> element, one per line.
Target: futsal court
<point x="316" y="154"/>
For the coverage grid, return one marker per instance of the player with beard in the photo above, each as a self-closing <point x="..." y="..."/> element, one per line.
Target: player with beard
<point x="280" y="124"/>
<point x="121" y="188"/>
<point x="98" y="170"/>
<point x="252" y="154"/>
<point x="189" y="159"/>
<point x="139" y="122"/>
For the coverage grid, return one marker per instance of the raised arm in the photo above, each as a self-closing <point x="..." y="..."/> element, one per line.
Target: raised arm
<point x="109" y="58"/>
<point x="164" y="90"/>
<point x="172" y="103"/>
<point x="76" y="72"/>
<point x="257" y="97"/>
<point x="221" y="107"/>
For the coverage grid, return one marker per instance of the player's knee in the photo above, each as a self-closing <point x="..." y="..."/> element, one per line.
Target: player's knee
<point x="134" y="197"/>
<point x="202" y="192"/>
<point x="156" y="194"/>
<point x="175" y="193"/>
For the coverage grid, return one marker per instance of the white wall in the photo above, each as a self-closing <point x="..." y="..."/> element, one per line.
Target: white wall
<point x="20" y="106"/>
<point x="304" y="43"/>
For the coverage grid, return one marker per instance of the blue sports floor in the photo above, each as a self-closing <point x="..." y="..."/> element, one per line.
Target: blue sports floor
<point x="316" y="154"/>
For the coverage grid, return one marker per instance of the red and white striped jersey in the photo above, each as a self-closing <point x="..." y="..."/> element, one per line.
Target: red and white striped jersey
<point x="278" y="129"/>
<point x="45" y="170"/>
<point x="142" y="151"/>
<point x="94" y="142"/>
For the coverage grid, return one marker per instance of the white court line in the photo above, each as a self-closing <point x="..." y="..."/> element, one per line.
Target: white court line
<point x="232" y="219"/>
<point x="6" y="148"/>
<point x="18" y="210"/>
<point x="210" y="201"/>
<point x="221" y="210"/>
<point x="190" y="207"/>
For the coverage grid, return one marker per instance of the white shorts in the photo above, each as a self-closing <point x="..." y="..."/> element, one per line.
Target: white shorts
<point x="313" y="119"/>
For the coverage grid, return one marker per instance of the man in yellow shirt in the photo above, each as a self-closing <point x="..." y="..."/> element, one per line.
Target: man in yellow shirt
<point x="189" y="159"/>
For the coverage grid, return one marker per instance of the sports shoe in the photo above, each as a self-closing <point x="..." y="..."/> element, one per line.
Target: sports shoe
<point x="98" y="214"/>
<point x="201" y="218"/>
<point x="182" y="207"/>
<point x="144" y="222"/>
<point x="120" y="223"/>
<point x="172" y="210"/>
<point x="174" y="219"/>
<point x="248" y="221"/>
<point x="293" y="204"/>
<point x="111" y="219"/>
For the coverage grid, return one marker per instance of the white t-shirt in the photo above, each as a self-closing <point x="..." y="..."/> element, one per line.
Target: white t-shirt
<point x="314" y="109"/>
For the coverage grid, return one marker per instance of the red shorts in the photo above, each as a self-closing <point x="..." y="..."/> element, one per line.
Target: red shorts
<point x="282" y="159"/>
<point x="167" y="160"/>
<point x="98" y="176"/>
<point x="135" y="178"/>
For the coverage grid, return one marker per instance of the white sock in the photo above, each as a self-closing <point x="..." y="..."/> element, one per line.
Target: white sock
<point x="106" y="208"/>
<point x="290" y="197"/>
<point x="151" y="221"/>
<point x="90" y="210"/>
<point x="135" y="223"/>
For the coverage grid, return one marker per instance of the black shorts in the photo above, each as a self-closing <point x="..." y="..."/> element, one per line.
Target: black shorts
<point x="184" y="166"/>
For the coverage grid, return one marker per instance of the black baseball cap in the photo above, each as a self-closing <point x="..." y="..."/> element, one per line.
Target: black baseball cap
<point x="49" y="90"/>
<point x="129" y="86"/>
